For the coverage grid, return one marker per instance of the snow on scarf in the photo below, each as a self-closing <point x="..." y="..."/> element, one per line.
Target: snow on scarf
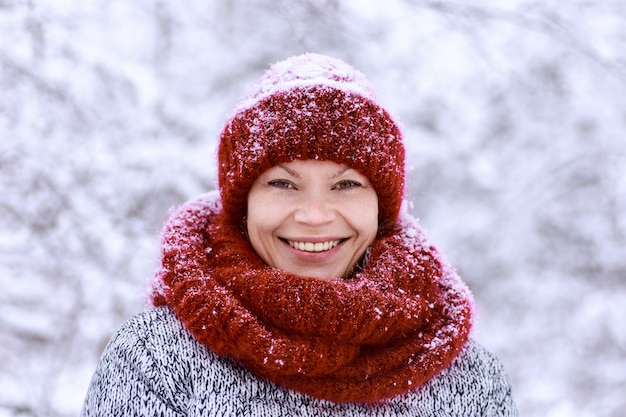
<point x="384" y="331"/>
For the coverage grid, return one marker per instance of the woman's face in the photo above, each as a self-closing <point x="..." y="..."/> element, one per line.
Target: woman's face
<point x="312" y="218"/>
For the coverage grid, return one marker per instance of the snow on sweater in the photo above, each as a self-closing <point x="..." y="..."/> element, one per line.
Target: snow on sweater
<point x="154" y="367"/>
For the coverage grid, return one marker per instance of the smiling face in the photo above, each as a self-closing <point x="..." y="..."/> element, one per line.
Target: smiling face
<point x="312" y="218"/>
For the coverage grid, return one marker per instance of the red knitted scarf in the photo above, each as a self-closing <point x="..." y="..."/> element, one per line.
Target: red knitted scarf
<point x="384" y="331"/>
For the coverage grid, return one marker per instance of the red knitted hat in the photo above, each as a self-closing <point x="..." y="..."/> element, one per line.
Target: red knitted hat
<point x="311" y="107"/>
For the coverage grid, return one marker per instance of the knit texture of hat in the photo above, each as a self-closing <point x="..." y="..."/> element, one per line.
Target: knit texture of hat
<point x="311" y="107"/>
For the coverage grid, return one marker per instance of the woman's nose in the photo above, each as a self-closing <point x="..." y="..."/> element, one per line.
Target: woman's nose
<point x="314" y="210"/>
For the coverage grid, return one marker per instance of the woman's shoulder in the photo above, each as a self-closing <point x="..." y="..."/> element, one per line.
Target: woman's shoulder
<point x="151" y="366"/>
<point x="476" y="382"/>
<point x="475" y="358"/>
<point x="153" y="322"/>
<point x="158" y="333"/>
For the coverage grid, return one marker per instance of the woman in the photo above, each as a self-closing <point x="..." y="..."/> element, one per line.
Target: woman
<point x="302" y="288"/>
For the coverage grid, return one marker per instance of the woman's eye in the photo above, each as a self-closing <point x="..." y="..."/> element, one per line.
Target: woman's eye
<point x="281" y="184"/>
<point x="347" y="184"/>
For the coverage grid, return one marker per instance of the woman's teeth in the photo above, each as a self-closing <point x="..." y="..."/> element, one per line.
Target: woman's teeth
<point x="314" y="247"/>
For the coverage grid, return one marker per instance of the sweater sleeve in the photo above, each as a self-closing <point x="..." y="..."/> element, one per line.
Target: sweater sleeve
<point x="128" y="381"/>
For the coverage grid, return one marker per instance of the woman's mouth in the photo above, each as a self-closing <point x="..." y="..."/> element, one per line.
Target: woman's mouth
<point x="313" y="246"/>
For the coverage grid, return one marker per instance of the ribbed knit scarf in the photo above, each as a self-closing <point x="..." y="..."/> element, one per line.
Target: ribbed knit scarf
<point x="385" y="330"/>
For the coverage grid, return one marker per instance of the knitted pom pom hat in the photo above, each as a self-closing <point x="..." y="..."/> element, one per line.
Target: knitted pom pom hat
<point x="311" y="107"/>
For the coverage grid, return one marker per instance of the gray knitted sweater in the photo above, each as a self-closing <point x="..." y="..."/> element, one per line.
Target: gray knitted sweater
<point x="154" y="367"/>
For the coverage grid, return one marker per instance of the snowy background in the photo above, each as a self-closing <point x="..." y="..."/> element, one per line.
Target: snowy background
<point x="515" y="120"/>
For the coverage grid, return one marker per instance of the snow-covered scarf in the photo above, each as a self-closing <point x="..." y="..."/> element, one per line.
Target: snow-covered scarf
<point x="383" y="331"/>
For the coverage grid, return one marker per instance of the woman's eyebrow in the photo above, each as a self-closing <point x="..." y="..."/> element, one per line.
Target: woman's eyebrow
<point x="340" y="172"/>
<point x="289" y="171"/>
